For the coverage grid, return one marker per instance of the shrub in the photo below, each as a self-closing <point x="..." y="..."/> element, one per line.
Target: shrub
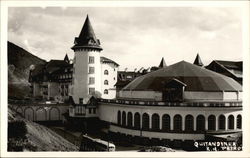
<point x="17" y="129"/>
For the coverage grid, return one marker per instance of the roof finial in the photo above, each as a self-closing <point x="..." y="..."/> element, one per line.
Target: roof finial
<point x="197" y="60"/>
<point x="66" y="58"/>
<point x="162" y="63"/>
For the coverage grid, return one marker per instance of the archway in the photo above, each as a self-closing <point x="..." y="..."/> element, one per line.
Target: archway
<point x="29" y="114"/>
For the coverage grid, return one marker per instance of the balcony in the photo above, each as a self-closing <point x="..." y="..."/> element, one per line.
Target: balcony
<point x="175" y="104"/>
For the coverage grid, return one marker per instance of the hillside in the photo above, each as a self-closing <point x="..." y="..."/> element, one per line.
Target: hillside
<point x="38" y="137"/>
<point x="19" y="62"/>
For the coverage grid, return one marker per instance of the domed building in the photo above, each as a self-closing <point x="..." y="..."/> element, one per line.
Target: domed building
<point x="180" y="102"/>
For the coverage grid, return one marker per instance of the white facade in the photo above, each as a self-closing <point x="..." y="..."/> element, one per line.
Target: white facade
<point x="85" y="81"/>
<point x="147" y="95"/>
<point x="188" y="95"/>
<point x="109" y="112"/>
<point x="108" y="80"/>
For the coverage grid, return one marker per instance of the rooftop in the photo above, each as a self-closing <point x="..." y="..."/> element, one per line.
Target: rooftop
<point x="195" y="78"/>
<point x="87" y="38"/>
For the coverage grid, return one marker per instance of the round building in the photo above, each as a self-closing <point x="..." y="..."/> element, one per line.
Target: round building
<point x="181" y="102"/>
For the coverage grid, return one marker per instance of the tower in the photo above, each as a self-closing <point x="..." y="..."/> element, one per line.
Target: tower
<point x="86" y="67"/>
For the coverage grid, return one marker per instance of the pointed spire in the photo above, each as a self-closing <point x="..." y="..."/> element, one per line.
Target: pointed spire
<point x="198" y="61"/>
<point x="163" y="63"/>
<point x="87" y="38"/>
<point x="66" y="58"/>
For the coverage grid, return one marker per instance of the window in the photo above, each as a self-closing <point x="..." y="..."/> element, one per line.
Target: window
<point x="94" y="110"/>
<point x="124" y="118"/>
<point x="200" y="123"/>
<point x="91" y="59"/>
<point x="114" y="78"/>
<point x="91" y="80"/>
<point x="91" y="70"/>
<point x="211" y="122"/>
<point x="222" y="124"/>
<point x="189" y="123"/>
<point x="145" y="121"/>
<point x="155" y="122"/>
<point x="119" y="118"/>
<point x="106" y="72"/>
<point x="90" y="110"/>
<point x="239" y="122"/>
<point x="137" y="121"/>
<point x="166" y="122"/>
<point x="231" y="122"/>
<point x="130" y="119"/>
<point x="106" y="82"/>
<point x="177" y="123"/>
<point x="91" y="90"/>
<point x="80" y="100"/>
<point x="106" y="91"/>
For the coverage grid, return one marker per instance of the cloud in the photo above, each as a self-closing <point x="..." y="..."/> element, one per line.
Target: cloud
<point x="134" y="37"/>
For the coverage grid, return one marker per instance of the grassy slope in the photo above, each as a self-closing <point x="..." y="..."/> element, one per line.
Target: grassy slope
<point x="42" y="138"/>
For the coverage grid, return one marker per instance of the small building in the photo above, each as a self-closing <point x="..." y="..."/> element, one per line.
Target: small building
<point x="52" y="80"/>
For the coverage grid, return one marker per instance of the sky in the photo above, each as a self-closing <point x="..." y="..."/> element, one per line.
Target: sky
<point x="133" y="37"/>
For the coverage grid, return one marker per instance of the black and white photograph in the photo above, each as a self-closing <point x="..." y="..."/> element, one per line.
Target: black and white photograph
<point x="137" y="79"/>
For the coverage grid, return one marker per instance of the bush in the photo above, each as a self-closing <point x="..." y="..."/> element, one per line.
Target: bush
<point x="17" y="130"/>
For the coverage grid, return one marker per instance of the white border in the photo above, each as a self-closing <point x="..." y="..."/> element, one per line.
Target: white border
<point x="245" y="22"/>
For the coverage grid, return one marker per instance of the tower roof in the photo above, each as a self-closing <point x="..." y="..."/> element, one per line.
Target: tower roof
<point x="87" y="38"/>
<point x="163" y="63"/>
<point x="198" y="61"/>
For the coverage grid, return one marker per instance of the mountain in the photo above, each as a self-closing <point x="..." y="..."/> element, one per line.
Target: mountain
<point x="19" y="63"/>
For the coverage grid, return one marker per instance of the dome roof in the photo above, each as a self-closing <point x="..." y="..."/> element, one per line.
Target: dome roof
<point x="195" y="78"/>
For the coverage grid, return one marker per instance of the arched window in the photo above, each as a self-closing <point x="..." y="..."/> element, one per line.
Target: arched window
<point x="155" y="122"/>
<point x="165" y="122"/>
<point x="137" y="121"/>
<point x="119" y="118"/>
<point x="106" y="82"/>
<point x="145" y="121"/>
<point x="106" y="72"/>
<point x="124" y="118"/>
<point x="189" y="123"/>
<point x="130" y="119"/>
<point x="211" y="122"/>
<point x="200" y="123"/>
<point x="239" y="122"/>
<point x="177" y="123"/>
<point x="230" y="122"/>
<point x="222" y="120"/>
<point x="106" y="91"/>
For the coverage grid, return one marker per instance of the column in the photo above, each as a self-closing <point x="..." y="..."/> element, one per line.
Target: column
<point x="195" y="122"/>
<point x="235" y="122"/>
<point x="206" y="123"/>
<point x="226" y="122"/>
<point x="133" y="119"/>
<point x="171" y="123"/>
<point x="183" y="122"/>
<point x="150" y="121"/>
<point x="216" y="123"/>
<point x="160" y="122"/>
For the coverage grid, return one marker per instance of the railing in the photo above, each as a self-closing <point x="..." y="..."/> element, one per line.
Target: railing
<point x="177" y="104"/>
